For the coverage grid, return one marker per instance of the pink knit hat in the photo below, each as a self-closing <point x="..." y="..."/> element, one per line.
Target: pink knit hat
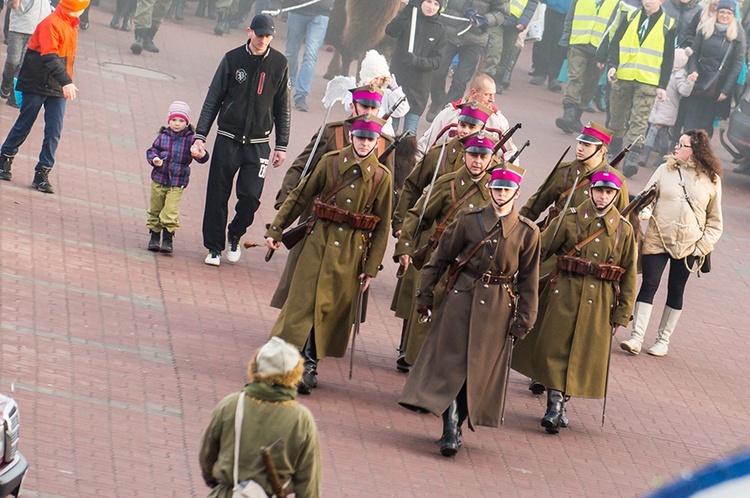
<point x="179" y="109"/>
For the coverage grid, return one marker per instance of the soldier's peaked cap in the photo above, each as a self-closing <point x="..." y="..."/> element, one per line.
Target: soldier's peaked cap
<point x="474" y="112"/>
<point x="596" y="134"/>
<point x="369" y="95"/>
<point x="507" y="176"/>
<point x="480" y="143"/>
<point x="605" y="179"/>
<point x="366" y="126"/>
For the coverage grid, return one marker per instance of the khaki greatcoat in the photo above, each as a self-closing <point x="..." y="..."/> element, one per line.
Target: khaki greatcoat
<point x="335" y="137"/>
<point x="571" y="342"/>
<point x="469" y="339"/>
<point x="323" y="290"/>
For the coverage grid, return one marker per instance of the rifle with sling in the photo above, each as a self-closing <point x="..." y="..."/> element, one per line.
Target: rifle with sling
<point x="270" y="466"/>
<point x="506" y="137"/>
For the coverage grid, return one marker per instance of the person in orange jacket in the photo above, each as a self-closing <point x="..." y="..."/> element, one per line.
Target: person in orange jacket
<point x="45" y="79"/>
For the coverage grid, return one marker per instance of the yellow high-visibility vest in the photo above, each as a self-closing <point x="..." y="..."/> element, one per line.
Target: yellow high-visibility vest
<point x="517" y="6"/>
<point x="642" y="62"/>
<point x="589" y="24"/>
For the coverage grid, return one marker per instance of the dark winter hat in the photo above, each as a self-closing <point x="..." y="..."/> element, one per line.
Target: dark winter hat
<point x="726" y="5"/>
<point x="605" y="179"/>
<point x="262" y="25"/>
<point x="179" y="109"/>
<point x="366" y="126"/>
<point x="474" y="112"/>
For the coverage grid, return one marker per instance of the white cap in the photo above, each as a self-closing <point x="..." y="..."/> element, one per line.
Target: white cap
<point x="276" y="357"/>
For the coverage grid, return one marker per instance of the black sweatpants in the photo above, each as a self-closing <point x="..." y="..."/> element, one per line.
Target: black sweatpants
<point x="653" y="267"/>
<point x="228" y="158"/>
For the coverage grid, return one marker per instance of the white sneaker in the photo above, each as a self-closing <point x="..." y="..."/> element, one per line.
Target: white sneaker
<point x="234" y="250"/>
<point x="213" y="258"/>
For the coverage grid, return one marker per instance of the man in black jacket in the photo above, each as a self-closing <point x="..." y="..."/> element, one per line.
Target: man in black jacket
<point x="250" y="95"/>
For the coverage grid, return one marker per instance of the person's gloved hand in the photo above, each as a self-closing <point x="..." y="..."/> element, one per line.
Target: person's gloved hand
<point x="479" y="20"/>
<point x="410" y="59"/>
<point x="425" y="312"/>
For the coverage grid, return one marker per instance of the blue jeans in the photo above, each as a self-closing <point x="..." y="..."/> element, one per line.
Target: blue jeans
<point x="54" y="112"/>
<point x="411" y="121"/>
<point x="311" y="30"/>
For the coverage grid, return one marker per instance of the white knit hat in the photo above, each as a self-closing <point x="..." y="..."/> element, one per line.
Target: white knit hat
<point x="374" y="65"/>
<point x="179" y="109"/>
<point x="276" y="357"/>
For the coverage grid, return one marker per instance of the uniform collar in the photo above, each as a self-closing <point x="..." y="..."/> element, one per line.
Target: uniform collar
<point x="463" y="183"/>
<point x="490" y="220"/>
<point x="587" y="216"/>
<point x="368" y="165"/>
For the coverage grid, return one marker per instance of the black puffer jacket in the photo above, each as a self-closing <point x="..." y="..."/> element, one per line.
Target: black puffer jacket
<point x="707" y="57"/>
<point x="685" y="21"/>
<point x="414" y="72"/>
<point x="494" y="10"/>
<point x="250" y="96"/>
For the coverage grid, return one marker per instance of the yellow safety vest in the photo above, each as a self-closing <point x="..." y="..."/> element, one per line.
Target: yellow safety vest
<point x="589" y="24"/>
<point x="517" y="6"/>
<point x="642" y="62"/>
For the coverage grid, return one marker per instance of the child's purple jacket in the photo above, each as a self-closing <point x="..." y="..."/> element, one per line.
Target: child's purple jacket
<point x="174" y="149"/>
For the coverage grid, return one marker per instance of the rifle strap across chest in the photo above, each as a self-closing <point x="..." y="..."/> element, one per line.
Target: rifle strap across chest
<point x="457" y="203"/>
<point x="340" y="186"/>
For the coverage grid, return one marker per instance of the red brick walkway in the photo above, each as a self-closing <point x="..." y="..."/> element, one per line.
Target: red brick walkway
<point x="118" y="355"/>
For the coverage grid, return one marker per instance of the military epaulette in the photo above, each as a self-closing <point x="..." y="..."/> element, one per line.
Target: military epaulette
<point x="474" y="210"/>
<point x="528" y="222"/>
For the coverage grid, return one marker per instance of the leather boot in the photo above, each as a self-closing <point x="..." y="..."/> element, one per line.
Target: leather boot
<point x="551" y="419"/>
<point x="615" y="146"/>
<point x="200" y="11"/>
<point x="41" y="180"/>
<point x="5" y="163"/>
<point x="137" y="46"/>
<point x="669" y="319"/>
<point x="127" y="23"/>
<point x="641" y="316"/>
<point x="630" y="166"/>
<point x="166" y="242"/>
<point x="179" y="10"/>
<point x="564" y="422"/>
<point x="567" y="121"/>
<point x="222" y="24"/>
<point x="576" y="124"/>
<point x="148" y="41"/>
<point x="451" y="441"/>
<point x="309" y="380"/>
<point x="536" y="387"/>
<point x="116" y="21"/>
<point x="154" y="243"/>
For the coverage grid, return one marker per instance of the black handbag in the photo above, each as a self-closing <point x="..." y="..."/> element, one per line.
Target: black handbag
<point x="709" y="87"/>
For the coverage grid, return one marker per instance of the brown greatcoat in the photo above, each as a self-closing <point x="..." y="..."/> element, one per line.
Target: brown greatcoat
<point x="335" y="137"/>
<point x="415" y="186"/>
<point x="469" y="339"/>
<point x="571" y="342"/>
<point x="323" y="290"/>
<point x="448" y="191"/>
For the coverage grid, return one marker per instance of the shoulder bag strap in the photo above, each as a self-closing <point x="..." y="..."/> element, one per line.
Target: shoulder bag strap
<point x="238" y="416"/>
<point x="687" y="198"/>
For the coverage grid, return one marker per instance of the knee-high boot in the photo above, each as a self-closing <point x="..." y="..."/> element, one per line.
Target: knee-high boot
<point x="451" y="440"/>
<point x="309" y="379"/>
<point x="641" y="316"/>
<point x="668" y="322"/>
<point x="551" y="419"/>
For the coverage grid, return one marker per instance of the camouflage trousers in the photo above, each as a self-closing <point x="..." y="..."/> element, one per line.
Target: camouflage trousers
<point x="583" y="78"/>
<point x="150" y="13"/>
<point x="630" y="98"/>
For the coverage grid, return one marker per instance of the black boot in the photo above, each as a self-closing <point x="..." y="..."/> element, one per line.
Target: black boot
<point x="551" y="419"/>
<point x="127" y="23"/>
<point x="564" y="422"/>
<point x="211" y="9"/>
<point x="222" y="24"/>
<point x="309" y="379"/>
<point x="643" y="156"/>
<point x="451" y="440"/>
<point x="567" y="121"/>
<point x="200" y="11"/>
<point x="41" y="180"/>
<point x="576" y="124"/>
<point x="5" y="163"/>
<point x="116" y="21"/>
<point x="166" y="243"/>
<point x="137" y="46"/>
<point x="536" y="387"/>
<point x="615" y="146"/>
<point x="179" y="10"/>
<point x="148" y="41"/>
<point x="154" y="243"/>
<point x="630" y="166"/>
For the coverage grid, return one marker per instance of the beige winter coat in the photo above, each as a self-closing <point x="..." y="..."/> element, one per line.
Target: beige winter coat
<point x="674" y="227"/>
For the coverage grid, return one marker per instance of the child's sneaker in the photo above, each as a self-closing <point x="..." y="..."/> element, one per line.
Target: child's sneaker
<point x="234" y="249"/>
<point x="213" y="258"/>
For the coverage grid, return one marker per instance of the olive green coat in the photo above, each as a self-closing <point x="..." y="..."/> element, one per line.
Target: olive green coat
<point x="571" y="342"/>
<point x="262" y="424"/>
<point x="327" y="144"/>
<point x="469" y="339"/>
<point x="448" y="190"/>
<point x="323" y="290"/>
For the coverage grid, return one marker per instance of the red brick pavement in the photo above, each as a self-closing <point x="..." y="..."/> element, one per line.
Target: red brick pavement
<point x="119" y="355"/>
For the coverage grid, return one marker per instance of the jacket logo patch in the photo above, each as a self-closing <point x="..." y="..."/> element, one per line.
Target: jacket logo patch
<point x="431" y="39"/>
<point x="240" y="75"/>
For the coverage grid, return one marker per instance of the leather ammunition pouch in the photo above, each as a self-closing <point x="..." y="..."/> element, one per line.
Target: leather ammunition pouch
<point x="581" y="266"/>
<point x="335" y="214"/>
<point x="422" y="255"/>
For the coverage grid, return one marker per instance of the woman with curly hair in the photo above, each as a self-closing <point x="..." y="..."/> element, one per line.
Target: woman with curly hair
<point x="684" y="224"/>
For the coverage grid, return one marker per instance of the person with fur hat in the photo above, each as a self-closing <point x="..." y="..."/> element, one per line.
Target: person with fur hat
<point x="342" y="250"/>
<point x="589" y="294"/>
<point x="664" y="113"/>
<point x="170" y="155"/>
<point x="269" y="413"/>
<point x="462" y="369"/>
<point x="45" y="79"/>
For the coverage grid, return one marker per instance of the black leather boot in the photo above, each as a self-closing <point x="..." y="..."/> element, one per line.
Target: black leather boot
<point x="148" y="41"/>
<point x="5" y="163"/>
<point x="154" y="243"/>
<point x="127" y="23"/>
<point x="630" y="166"/>
<point x="116" y="21"/>
<point x="551" y="419"/>
<point x="309" y="379"/>
<point x="615" y="146"/>
<point x="41" y="180"/>
<point x="576" y="124"/>
<point x="536" y="387"/>
<point x="137" y="46"/>
<point x="451" y="440"/>
<point x="567" y="122"/>
<point x="166" y="242"/>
